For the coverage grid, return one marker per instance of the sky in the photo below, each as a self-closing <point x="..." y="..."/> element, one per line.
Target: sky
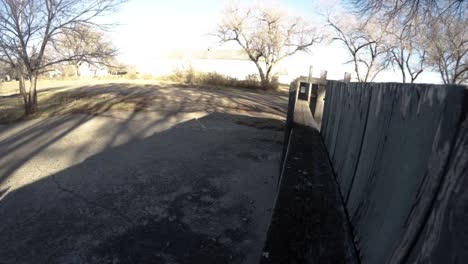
<point x="151" y="29"/>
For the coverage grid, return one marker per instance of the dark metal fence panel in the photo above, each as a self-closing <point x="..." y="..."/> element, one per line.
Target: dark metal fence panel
<point x="390" y="146"/>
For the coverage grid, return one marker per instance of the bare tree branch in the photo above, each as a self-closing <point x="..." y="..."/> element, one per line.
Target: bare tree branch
<point x="447" y="48"/>
<point x="364" y="43"/>
<point x="406" y="50"/>
<point x="411" y="10"/>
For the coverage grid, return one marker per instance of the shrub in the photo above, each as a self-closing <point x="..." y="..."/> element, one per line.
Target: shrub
<point x="131" y="76"/>
<point x="147" y="76"/>
<point x="190" y="76"/>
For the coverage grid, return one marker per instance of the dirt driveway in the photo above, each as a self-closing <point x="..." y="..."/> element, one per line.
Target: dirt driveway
<point x="189" y="180"/>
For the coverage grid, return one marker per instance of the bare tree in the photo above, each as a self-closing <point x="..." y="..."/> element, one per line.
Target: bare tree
<point x="405" y="50"/>
<point x="84" y="44"/>
<point x="427" y="33"/>
<point x="13" y="62"/>
<point x="447" y="47"/>
<point x="365" y="45"/>
<point x="408" y="10"/>
<point x="28" y="27"/>
<point x="266" y="35"/>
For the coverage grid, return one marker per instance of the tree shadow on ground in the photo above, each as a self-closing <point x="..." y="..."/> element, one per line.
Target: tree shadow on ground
<point x="100" y="98"/>
<point x="96" y="100"/>
<point x="196" y="193"/>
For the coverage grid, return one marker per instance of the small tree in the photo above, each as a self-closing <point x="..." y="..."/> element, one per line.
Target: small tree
<point x="29" y="27"/>
<point x="428" y="33"/>
<point x="84" y="44"/>
<point x="405" y="50"/>
<point x="365" y="45"/>
<point x="13" y="62"/>
<point x="447" y="47"/>
<point x="266" y="35"/>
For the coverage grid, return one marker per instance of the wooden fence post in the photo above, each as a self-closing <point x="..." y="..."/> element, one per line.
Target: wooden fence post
<point x="310" y="74"/>
<point x="347" y="77"/>
<point x="323" y="75"/>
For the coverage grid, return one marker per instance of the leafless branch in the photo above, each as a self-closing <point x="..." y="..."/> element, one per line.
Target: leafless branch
<point x="364" y="43"/>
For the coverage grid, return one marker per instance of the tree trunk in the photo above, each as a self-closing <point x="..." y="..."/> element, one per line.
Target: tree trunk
<point x="22" y="89"/>
<point x="356" y="68"/>
<point x="265" y="80"/>
<point x="77" y="70"/>
<point x="403" y="74"/>
<point x="260" y="72"/>
<point x="31" y="104"/>
<point x="268" y="76"/>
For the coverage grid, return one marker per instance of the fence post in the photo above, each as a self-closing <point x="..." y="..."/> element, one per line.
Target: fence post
<point x="318" y="111"/>
<point x="323" y="75"/>
<point x="347" y="77"/>
<point x="310" y="74"/>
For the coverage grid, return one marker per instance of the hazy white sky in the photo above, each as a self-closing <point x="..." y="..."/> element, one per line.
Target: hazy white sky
<point x="149" y="29"/>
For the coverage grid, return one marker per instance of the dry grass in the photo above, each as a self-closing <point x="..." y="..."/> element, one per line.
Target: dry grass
<point x="62" y="97"/>
<point x="191" y="76"/>
<point x="95" y="97"/>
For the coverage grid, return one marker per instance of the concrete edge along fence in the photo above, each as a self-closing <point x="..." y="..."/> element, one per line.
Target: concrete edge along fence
<point x="400" y="156"/>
